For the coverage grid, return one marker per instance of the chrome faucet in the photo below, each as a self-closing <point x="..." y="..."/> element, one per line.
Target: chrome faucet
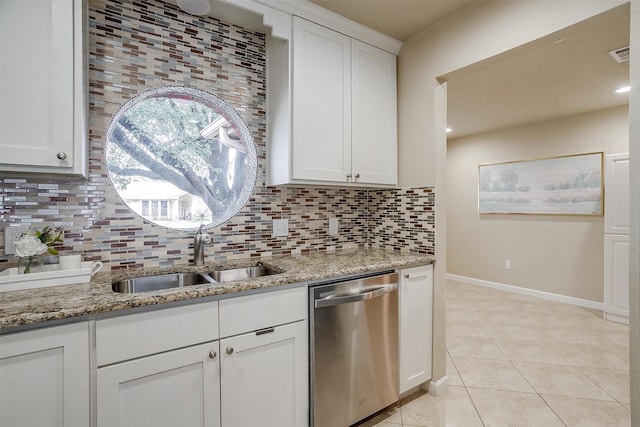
<point x="199" y="240"/>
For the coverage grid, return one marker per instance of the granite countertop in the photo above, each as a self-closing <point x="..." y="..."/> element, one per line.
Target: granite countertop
<point x="30" y="308"/>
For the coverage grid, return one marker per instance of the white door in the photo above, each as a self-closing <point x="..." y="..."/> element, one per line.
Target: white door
<point x="616" y="276"/>
<point x="415" y="297"/>
<point x="264" y="378"/>
<point x="374" y="114"/>
<point x="44" y="377"/>
<point x="176" y="388"/>
<point x="616" y="205"/>
<point x="37" y="82"/>
<point x="321" y="103"/>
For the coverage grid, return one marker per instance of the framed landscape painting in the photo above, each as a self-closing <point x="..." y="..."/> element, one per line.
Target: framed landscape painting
<point x="568" y="185"/>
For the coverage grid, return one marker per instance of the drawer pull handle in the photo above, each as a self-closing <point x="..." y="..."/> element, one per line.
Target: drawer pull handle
<point x="229" y="350"/>
<point x="213" y="355"/>
<point x="265" y="331"/>
<point x="61" y="156"/>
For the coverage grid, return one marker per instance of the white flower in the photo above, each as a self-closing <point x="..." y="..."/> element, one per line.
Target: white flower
<point x="29" y="245"/>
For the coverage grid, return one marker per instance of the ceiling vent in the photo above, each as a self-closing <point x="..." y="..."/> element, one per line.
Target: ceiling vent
<point x="620" y="55"/>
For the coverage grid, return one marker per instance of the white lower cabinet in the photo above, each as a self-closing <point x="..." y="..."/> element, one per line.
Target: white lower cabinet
<point x="44" y="377"/>
<point x="176" y="388"/>
<point x="616" y="275"/>
<point x="264" y="378"/>
<point x="168" y="368"/>
<point x="616" y="238"/>
<point x="264" y="360"/>
<point x="415" y="296"/>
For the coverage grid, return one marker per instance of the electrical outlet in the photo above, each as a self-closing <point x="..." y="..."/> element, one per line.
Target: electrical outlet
<point x="280" y="228"/>
<point x="507" y="264"/>
<point x="333" y="226"/>
<point x="12" y="234"/>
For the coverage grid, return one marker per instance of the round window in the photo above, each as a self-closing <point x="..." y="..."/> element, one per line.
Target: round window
<point x="180" y="157"/>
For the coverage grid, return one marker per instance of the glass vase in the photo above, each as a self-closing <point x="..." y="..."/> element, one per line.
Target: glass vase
<point x="29" y="264"/>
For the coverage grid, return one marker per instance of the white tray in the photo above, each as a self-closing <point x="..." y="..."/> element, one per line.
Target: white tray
<point x="10" y="280"/>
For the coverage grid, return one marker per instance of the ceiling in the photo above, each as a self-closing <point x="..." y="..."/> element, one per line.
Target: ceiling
<point x="566" y="73"/>
<point x="399" y="19"/>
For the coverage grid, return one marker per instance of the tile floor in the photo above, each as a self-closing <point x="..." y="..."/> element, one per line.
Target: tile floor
<point x="517" y="361"/>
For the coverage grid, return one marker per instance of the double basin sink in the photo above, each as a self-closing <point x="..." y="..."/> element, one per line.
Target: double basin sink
<point x="179" y="280"/>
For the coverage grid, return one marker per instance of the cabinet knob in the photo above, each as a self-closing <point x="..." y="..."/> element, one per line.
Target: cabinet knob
<point x="229" y="350"/>
<point x="349" y="177"/>
<point x="406" y="276"/>
<point x="357" y="176"/>
<point x="213" y="355"/>
<point x="61" y="156"/>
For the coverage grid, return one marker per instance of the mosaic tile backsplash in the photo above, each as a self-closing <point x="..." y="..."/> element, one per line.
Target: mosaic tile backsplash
<point x="135" y="46"/>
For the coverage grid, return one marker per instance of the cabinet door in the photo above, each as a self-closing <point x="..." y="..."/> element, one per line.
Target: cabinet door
<point x="45" y="377"/>
<point x="374" y="115"/>
<point x="41" y="86"/>
<point x="321" y="103"/>
<point x="616" y="277"/>
<point x="177" y="388"/>
<point x="264" y="378"/>
<point x="415" y="319"/>
<point x="616" y="209"/>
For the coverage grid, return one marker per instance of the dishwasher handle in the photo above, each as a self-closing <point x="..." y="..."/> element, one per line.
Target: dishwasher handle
<point x="331" y="300"/>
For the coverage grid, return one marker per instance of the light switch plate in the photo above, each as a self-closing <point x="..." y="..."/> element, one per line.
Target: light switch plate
<point x="10" y="235"/>
<point x="280" y="228"/>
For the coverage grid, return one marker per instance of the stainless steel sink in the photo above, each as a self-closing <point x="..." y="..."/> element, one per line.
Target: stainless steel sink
<point x="240" y="273"/>
<point x="179" y="280"/>
<point x="161" y="281"/>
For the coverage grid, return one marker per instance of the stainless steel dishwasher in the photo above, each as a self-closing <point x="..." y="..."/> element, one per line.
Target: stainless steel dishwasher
<point x="354" y="349"/>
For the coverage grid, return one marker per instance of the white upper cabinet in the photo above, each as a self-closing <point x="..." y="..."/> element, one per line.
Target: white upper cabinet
<point x="616" y="201"/>
<point x="342" y="110"/>
<point x="42" y="87"/>
<point x="322" y="103"/>
<point x="374" y="115"/>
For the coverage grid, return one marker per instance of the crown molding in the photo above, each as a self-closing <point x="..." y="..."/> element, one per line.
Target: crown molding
<point x="272" y="11"/>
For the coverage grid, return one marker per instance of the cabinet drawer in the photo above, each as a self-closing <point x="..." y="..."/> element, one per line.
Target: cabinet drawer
<point x="136" y="335"/>
<point x="253" y="312"/>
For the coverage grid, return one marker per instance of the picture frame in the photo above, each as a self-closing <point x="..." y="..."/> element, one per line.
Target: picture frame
<point x="563" y="185"/>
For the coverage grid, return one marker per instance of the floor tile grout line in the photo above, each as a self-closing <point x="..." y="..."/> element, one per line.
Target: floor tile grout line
<point x="455" y="367"/>
<point x="539" y="395"/>
<point x="536" y="318"/>
<point x="552" y="410"/>
<point x="561" y="357"/>
<point x="475" y="407"/>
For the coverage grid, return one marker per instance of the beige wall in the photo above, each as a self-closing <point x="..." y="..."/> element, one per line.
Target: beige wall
<point x="551" y="253"/>
<point x="634" y="238"/>
<point x="477" y="32"/>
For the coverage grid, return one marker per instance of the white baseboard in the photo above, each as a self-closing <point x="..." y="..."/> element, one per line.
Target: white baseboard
<point x="525" y="291"/>
<point x="436" y="388"/>
<point x="617" y="318"/>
